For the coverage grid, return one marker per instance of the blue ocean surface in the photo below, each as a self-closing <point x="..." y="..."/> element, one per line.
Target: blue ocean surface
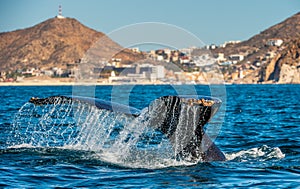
<point x="257" y="128"/>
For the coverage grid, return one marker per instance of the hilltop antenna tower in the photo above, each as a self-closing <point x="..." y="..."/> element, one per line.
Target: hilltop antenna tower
<point x="60" y="12"/>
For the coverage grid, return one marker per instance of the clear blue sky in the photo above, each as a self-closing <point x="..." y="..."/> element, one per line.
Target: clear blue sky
<point x="213" y="21"/>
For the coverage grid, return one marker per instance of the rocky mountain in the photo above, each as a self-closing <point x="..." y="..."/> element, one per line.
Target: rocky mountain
<point x="284" y="62"/>
<point x="56" y="42"/>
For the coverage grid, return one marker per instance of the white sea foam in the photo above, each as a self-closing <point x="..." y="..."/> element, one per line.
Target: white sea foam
<point x="21" y="146"/>
<point x="262" y="153"/>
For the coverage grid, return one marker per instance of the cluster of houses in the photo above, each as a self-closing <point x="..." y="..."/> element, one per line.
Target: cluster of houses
<point x="19" y="75"/>
<point x="168" y="55"/>
<point x="238" y="71"/>
<point x="186" y="59"/>
<point x="229" y="64"/>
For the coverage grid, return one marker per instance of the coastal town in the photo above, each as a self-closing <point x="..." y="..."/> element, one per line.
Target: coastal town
<point x="269" y="57"/>
<point x="191" y="64"/>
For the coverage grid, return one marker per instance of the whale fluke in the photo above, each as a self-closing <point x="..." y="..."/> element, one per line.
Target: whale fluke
<point x="101" y="104"/>
<point x="180" y="118"/>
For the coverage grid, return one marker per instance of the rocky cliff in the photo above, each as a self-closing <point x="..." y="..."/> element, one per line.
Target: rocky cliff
<point x="285" y="67"/>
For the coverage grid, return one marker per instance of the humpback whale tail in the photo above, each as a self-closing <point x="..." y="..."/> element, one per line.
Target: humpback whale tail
<point x="180" y="118"/>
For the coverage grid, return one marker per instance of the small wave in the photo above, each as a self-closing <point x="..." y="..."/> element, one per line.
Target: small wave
<point x="148" y="161"/>
<point x="21" y="146"/>
<point x="262" y="153"/>
<point x="71" y="154"/>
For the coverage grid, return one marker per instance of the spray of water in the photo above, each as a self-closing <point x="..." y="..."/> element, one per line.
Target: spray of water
<point x="115" y="138"/>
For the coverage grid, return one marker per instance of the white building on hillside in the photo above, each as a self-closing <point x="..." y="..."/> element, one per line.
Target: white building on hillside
<point x="275" y="42"/>
<point x="235" y="58"/>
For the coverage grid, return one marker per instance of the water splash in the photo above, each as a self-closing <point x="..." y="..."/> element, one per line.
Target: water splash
<point x="262" y="153"/>
<point x="115" y="138"/>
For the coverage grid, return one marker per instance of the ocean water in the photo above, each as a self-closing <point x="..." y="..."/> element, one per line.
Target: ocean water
<point x="257" y="128"/>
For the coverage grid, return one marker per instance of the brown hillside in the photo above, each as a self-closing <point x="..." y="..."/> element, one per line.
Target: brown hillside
<point x="287" y="30"/>
<point x="255" y="49"/>
<point x="54" y="42"/>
